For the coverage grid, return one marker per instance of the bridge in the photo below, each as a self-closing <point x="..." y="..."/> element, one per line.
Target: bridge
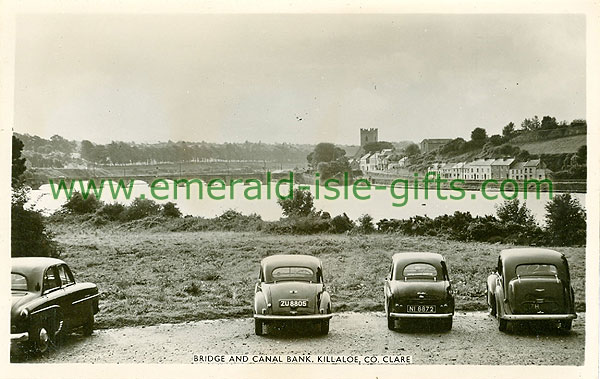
<point x="37" y="181"/>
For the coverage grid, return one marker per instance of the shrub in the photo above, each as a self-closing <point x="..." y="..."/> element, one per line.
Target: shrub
<point x="78" y="205"/>
<point x="234" y="220"/>
<point x="340" y="224"/>
<point x="170" y="210"/>
<point x="310" y="224"/>
<point x="140" y="208"/>
<point x="565" y="221"/>
<point x="111" y="212"/>
<point x="365" y="224"/>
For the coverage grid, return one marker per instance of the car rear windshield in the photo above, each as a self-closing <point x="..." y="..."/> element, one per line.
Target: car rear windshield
<point x="293" y="273"/>
<point x="18" y="282"/>
<point x="420" y="271"/>
<point x="537" y="270"/>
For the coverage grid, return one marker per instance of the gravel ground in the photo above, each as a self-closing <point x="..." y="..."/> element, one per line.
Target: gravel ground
<point x="474" y="340"/>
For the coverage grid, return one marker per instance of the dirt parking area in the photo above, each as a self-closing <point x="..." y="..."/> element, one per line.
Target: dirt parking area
<point x="473" y="340"/>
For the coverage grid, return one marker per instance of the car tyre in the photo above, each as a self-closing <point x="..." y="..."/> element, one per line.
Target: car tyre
<point x="566" y="325"/>
<point x="88" y="326"/>
<point x="258" y="327"/>
<point x="41" y="341"/>
<point x="391" y="323"/>
<point x="502" y="325"/>
<point x="447" y="324"/>
<point x="324" y="327"/>
<point x="492" y="305"/>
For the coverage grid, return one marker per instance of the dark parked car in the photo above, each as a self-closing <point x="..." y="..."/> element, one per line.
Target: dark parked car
<point x="291" y="288"/>
<point x="531" y="284"/>
<point x="418" y="287"/>
<point x="47" y="302"/>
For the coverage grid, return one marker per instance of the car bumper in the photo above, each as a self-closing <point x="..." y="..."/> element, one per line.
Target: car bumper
<point x="421" y="315"/>
<point x="19" y="337"/>
<point x="291" y="318"/>
<point x="539" y="317"/>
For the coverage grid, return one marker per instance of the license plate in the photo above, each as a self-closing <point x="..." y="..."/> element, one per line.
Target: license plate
<point x="420" y="308"/>
<point x="293" y="303"/>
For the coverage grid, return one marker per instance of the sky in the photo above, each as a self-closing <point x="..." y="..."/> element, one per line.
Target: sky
<point x="293" y="78"/>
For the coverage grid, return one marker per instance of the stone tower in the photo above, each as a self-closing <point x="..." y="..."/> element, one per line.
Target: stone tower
<point x="368" y="136"/>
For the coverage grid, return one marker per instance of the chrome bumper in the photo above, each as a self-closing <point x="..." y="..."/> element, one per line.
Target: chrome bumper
<point x="539" y="317"/>
<point x="291" y="318"/>
<point x="421" y="315"/>
<point x="19" y="337"/>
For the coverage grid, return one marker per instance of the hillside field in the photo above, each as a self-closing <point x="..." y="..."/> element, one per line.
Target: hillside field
<point x="554" y="146"/>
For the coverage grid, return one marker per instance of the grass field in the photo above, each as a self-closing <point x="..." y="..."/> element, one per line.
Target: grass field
<point x="554" y="146"/>
<point x="147" y="277"/>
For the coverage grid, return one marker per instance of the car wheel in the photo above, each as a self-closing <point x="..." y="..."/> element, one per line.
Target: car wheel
<point x="391" y="323"/>
<point x="502" y="324"/>
<point x="88" y="326"/>
<point x="492" y="305"/>
<point x="57" y="331"/>
<point x="41" y="341"/>
<point x="325" y="327"/>
<point x="447" y="324"/>
<point x="258" y="327"/>
<point x="565" y="325"/>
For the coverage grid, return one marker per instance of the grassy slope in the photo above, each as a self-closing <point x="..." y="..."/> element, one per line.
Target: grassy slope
<point x="559" y="145"/>
<point x="150" y="277"/>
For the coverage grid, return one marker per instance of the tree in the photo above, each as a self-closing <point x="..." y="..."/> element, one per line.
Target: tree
<point x="377" y="146"/>
<point x="412" y="150"/>
<point x="28" y="234"/>
<point x="18" y="163"/>
<point x="325" y="152"/>
<point x="300" y="204"/>
<point x="496" y="140"/>
<point x="581" y="155"/>
<point x="565" y="221"/>
<point x="531" y="124"/>
<point x="549" y="123"/>
<point x="513" y="211"/>
<point x="479" y="136"/>
<point x="87" y="151"/>
<point x="365" y="223"/>
<point x="508" y="130"/>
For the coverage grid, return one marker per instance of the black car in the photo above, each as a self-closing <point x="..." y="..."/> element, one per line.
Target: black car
<point x="418" y="287"/>
<point x="47" y="302"/>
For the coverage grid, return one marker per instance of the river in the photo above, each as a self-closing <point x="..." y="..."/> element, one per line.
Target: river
<point x="379" y="205"/>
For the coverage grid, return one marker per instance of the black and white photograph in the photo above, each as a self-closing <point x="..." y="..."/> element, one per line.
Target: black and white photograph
<point x="328" y="192"/>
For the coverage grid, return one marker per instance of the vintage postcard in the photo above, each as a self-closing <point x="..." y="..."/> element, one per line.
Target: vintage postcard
<point x="341" y="190"/>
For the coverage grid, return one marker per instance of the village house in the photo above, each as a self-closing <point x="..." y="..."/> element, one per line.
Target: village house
<point x="532" y="169"/>
<point x="457" y="170"/>
<point x="383" y="159"/>
<point x="535" y="169"/>
<point x="500" y="168"/>
<point x="516" y="171"/>
<point x="446" y="171"/>
<point x="368" y="162"/>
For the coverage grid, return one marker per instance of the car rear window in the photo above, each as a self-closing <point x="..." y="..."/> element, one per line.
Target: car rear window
<point x="537" y="270"/>
<point x="18" y="282"/>
<point x="420" y="271"/>
<point x="293" y="273"/>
